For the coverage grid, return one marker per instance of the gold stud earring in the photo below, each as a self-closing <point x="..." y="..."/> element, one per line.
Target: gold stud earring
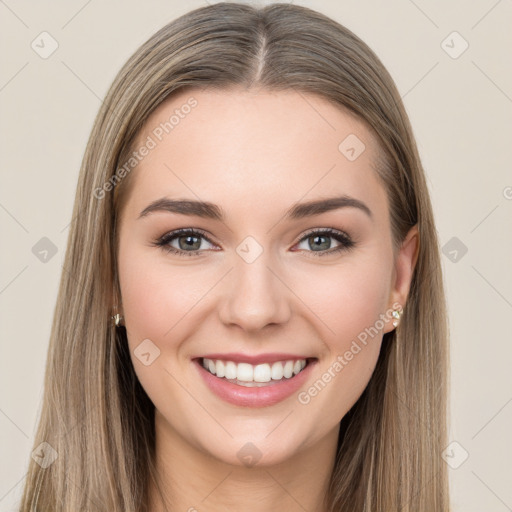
<point x="396" y="315"/>
<point x="117" y="319"/>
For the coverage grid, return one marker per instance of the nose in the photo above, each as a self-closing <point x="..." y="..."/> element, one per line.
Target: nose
<point x="253" y="296"/>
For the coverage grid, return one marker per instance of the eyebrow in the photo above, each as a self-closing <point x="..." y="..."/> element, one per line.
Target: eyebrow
<point x="212" y="211"/>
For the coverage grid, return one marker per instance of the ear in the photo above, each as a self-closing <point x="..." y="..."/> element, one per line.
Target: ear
<point x="405" y="263"/>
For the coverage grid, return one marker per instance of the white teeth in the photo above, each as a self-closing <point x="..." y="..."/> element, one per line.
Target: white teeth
<point x="262" y="373"/>
<point x="220" y="369"/>
<point x="288" y="369"/>
<point x="245" y="372"/>
<point x="230" y="370"/>
<point x="277" y="371"/>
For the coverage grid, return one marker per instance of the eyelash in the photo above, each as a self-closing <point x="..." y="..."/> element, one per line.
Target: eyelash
<point x="346" y="243"/>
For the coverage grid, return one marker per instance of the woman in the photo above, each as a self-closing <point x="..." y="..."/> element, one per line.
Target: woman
<point x="252" y="313"/>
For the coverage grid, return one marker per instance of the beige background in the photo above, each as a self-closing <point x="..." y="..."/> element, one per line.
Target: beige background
<point x="461" y="111"/>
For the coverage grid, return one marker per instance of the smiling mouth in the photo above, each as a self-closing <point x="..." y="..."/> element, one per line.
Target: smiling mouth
<point x="257" y="375"/>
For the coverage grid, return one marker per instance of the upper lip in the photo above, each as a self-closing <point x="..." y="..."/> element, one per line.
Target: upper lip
<point x="256" y="359"/>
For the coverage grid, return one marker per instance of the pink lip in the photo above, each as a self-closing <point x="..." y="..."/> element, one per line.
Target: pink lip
<point x="264" y="396"/>
<point x="237" y="357"/>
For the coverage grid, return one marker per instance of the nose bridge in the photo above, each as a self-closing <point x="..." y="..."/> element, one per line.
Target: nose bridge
<point x="253" y="297"/>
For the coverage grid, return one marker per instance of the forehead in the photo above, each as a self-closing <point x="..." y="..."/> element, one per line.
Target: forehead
<point x="254" y="148"/>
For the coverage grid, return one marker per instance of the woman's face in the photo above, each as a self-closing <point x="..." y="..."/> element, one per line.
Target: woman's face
<point x="259" y="280"/>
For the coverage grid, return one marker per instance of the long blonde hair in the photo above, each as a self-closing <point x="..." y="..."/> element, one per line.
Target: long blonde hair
<point x="95" y="414"/>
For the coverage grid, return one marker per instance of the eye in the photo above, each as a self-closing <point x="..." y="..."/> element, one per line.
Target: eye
<point x="319" y="242"/>
<point x="184" y="242"/>
<point x="191" y="242"/>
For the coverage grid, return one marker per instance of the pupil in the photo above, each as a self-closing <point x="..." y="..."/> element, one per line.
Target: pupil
<point x="317" y="244"/>
<point x="191" y="242"/>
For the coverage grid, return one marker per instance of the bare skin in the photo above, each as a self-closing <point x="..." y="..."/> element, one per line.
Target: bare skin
<point x="255" y="154"/>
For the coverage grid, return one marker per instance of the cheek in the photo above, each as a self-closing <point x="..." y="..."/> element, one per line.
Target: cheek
<point x="348" y="302"/>
<point x="157" y="296"/>
<point x="158" y="303"/>
<point x="347" y="299"/>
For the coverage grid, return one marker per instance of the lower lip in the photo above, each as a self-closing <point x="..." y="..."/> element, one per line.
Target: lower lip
<point x="264" y="396"/>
